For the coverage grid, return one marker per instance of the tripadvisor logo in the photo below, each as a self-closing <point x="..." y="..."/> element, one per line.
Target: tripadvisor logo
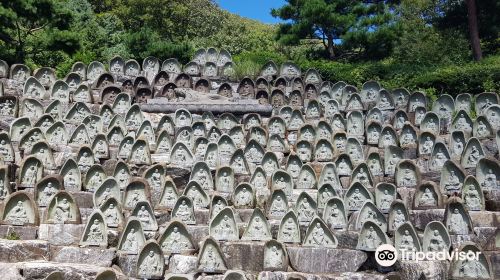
<point x="387" y="255"/>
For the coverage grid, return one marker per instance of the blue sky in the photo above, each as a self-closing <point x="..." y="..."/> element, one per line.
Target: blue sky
<point x="254" y="9"/>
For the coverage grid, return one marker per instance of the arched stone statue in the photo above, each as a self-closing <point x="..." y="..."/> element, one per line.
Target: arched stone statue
<point x="335" y="214"/>
<point x="132" y="238"/>
<point x="370" y="237"/>
<point x="176" y="239"/>
<point x="275" y="256"/>
<point x="472" y="153"/>
<point x="305" y="207"/>
<point x="151" y="262"/>
<point x="406" y="239"/>
<point x="385" y="194"/>
<point x="307" y="178"/>
<point x="325" y="193"/>
<point x="184" y="211"/>
<point x="289" y="231"/>
<point x="427" y="196"/>
<point x="472" y="194"/>
<point x="46" y="188"/>
<point x="144" y="213"/>
<point x="407" y="174"/>
<point x="355" y="196"/>
<point x="197" y="195"/>
<point x="95" y="233"/>
<point x="436" y="238"/>
<point x="468" y="268"/>
<point x="258" y="227"/>
<point x="216" y="205"/>
<point x="112" y="211"/>
<point x="370" y="212"/>
<point x="137" y="190"/>
<point x="398" y="215"/>
<point x="224" y="179"/>
<point x="210" y="258"/>
<point x="319" y="235"/>
<point x="62" y="209"/>
<point x="71" y="175"/>
<point x="106" y="190"/>
<point x="19" y="209"/>
<point x="223" y="226"/>
<point x="452" y="178"/>
<point x="457" y="219"/>
<point x="243" y="196"/>
<point x="278" y="205"/>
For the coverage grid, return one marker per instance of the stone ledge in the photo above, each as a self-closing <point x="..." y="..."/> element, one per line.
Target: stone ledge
<point x="40" y="270"/>
<point x="23" y="250"/>
<point x="268" y="275"/>
<point x="61" y="234"/>
<point x="323" y="260"/>
<point x="23" y="232"/>
<point x="89" y="255"/>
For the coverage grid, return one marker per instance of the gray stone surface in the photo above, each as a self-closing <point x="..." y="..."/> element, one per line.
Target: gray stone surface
<point x="61" y="234"/>
<point x="248" y="256"/>
<point x="278" y="275"/>
<point x="127" y="263"/>
<point x="9" y="271"/>
<point x="40" y="270"/>
<point x="322" y="260"/>
<point x="21" y="232"/>
<point x="180" y="264"/>
<point x="89" y="255"/>
<point x="412" y="270"/>
<point x="23" y="250"/>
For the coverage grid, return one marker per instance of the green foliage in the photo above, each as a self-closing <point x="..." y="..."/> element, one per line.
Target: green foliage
<point x="344" y="27"/>
<point x="247" y="68"/>
<point x="148" y="43"/>
<point x="238" y="35"/>
<point x="453" y="16"/>
<point x="471" y="77"/>
<point x="174" y="21"/>
<point x="418" y="44"/>
<point x="259" y="58"/>
<point x="12" y="235"/>
<point x="31" y="29"/>
<point x="436" y="79"/>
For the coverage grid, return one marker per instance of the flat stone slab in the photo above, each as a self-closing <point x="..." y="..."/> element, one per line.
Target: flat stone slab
<point x="89" y="255"/>
<point x="323" y="260"/>
<point x="180" y="264"/>
<point x="40" y="270"/>
<point x="157" y="106"/>
<point x="412" y="270"/>
<point x="198" y="233"/>
<point x="247" y="256"/>
<point x="275" y="275"/>
<point x="21" y="232"/>
<point x="61" y="234"/>
<point x="420" y="218"/>
<point x="23" y="250"/>
<point x="11" y="272"/>
<point x="128" y="264"/>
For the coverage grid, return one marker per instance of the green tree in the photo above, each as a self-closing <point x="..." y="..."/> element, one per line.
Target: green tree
<point x="31" y="28"/>
<point x="459" y="15"/>
<point x="422" y="44"/>
<point x="175" y="20"/>
<point x="238" y="34"/>
<point x="342" y="26"/>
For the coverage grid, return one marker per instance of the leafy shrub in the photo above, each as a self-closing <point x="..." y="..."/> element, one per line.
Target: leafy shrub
<point x="470" y="77"/>
<point x="247" y="68"/>
<point x="12" y="236"/>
